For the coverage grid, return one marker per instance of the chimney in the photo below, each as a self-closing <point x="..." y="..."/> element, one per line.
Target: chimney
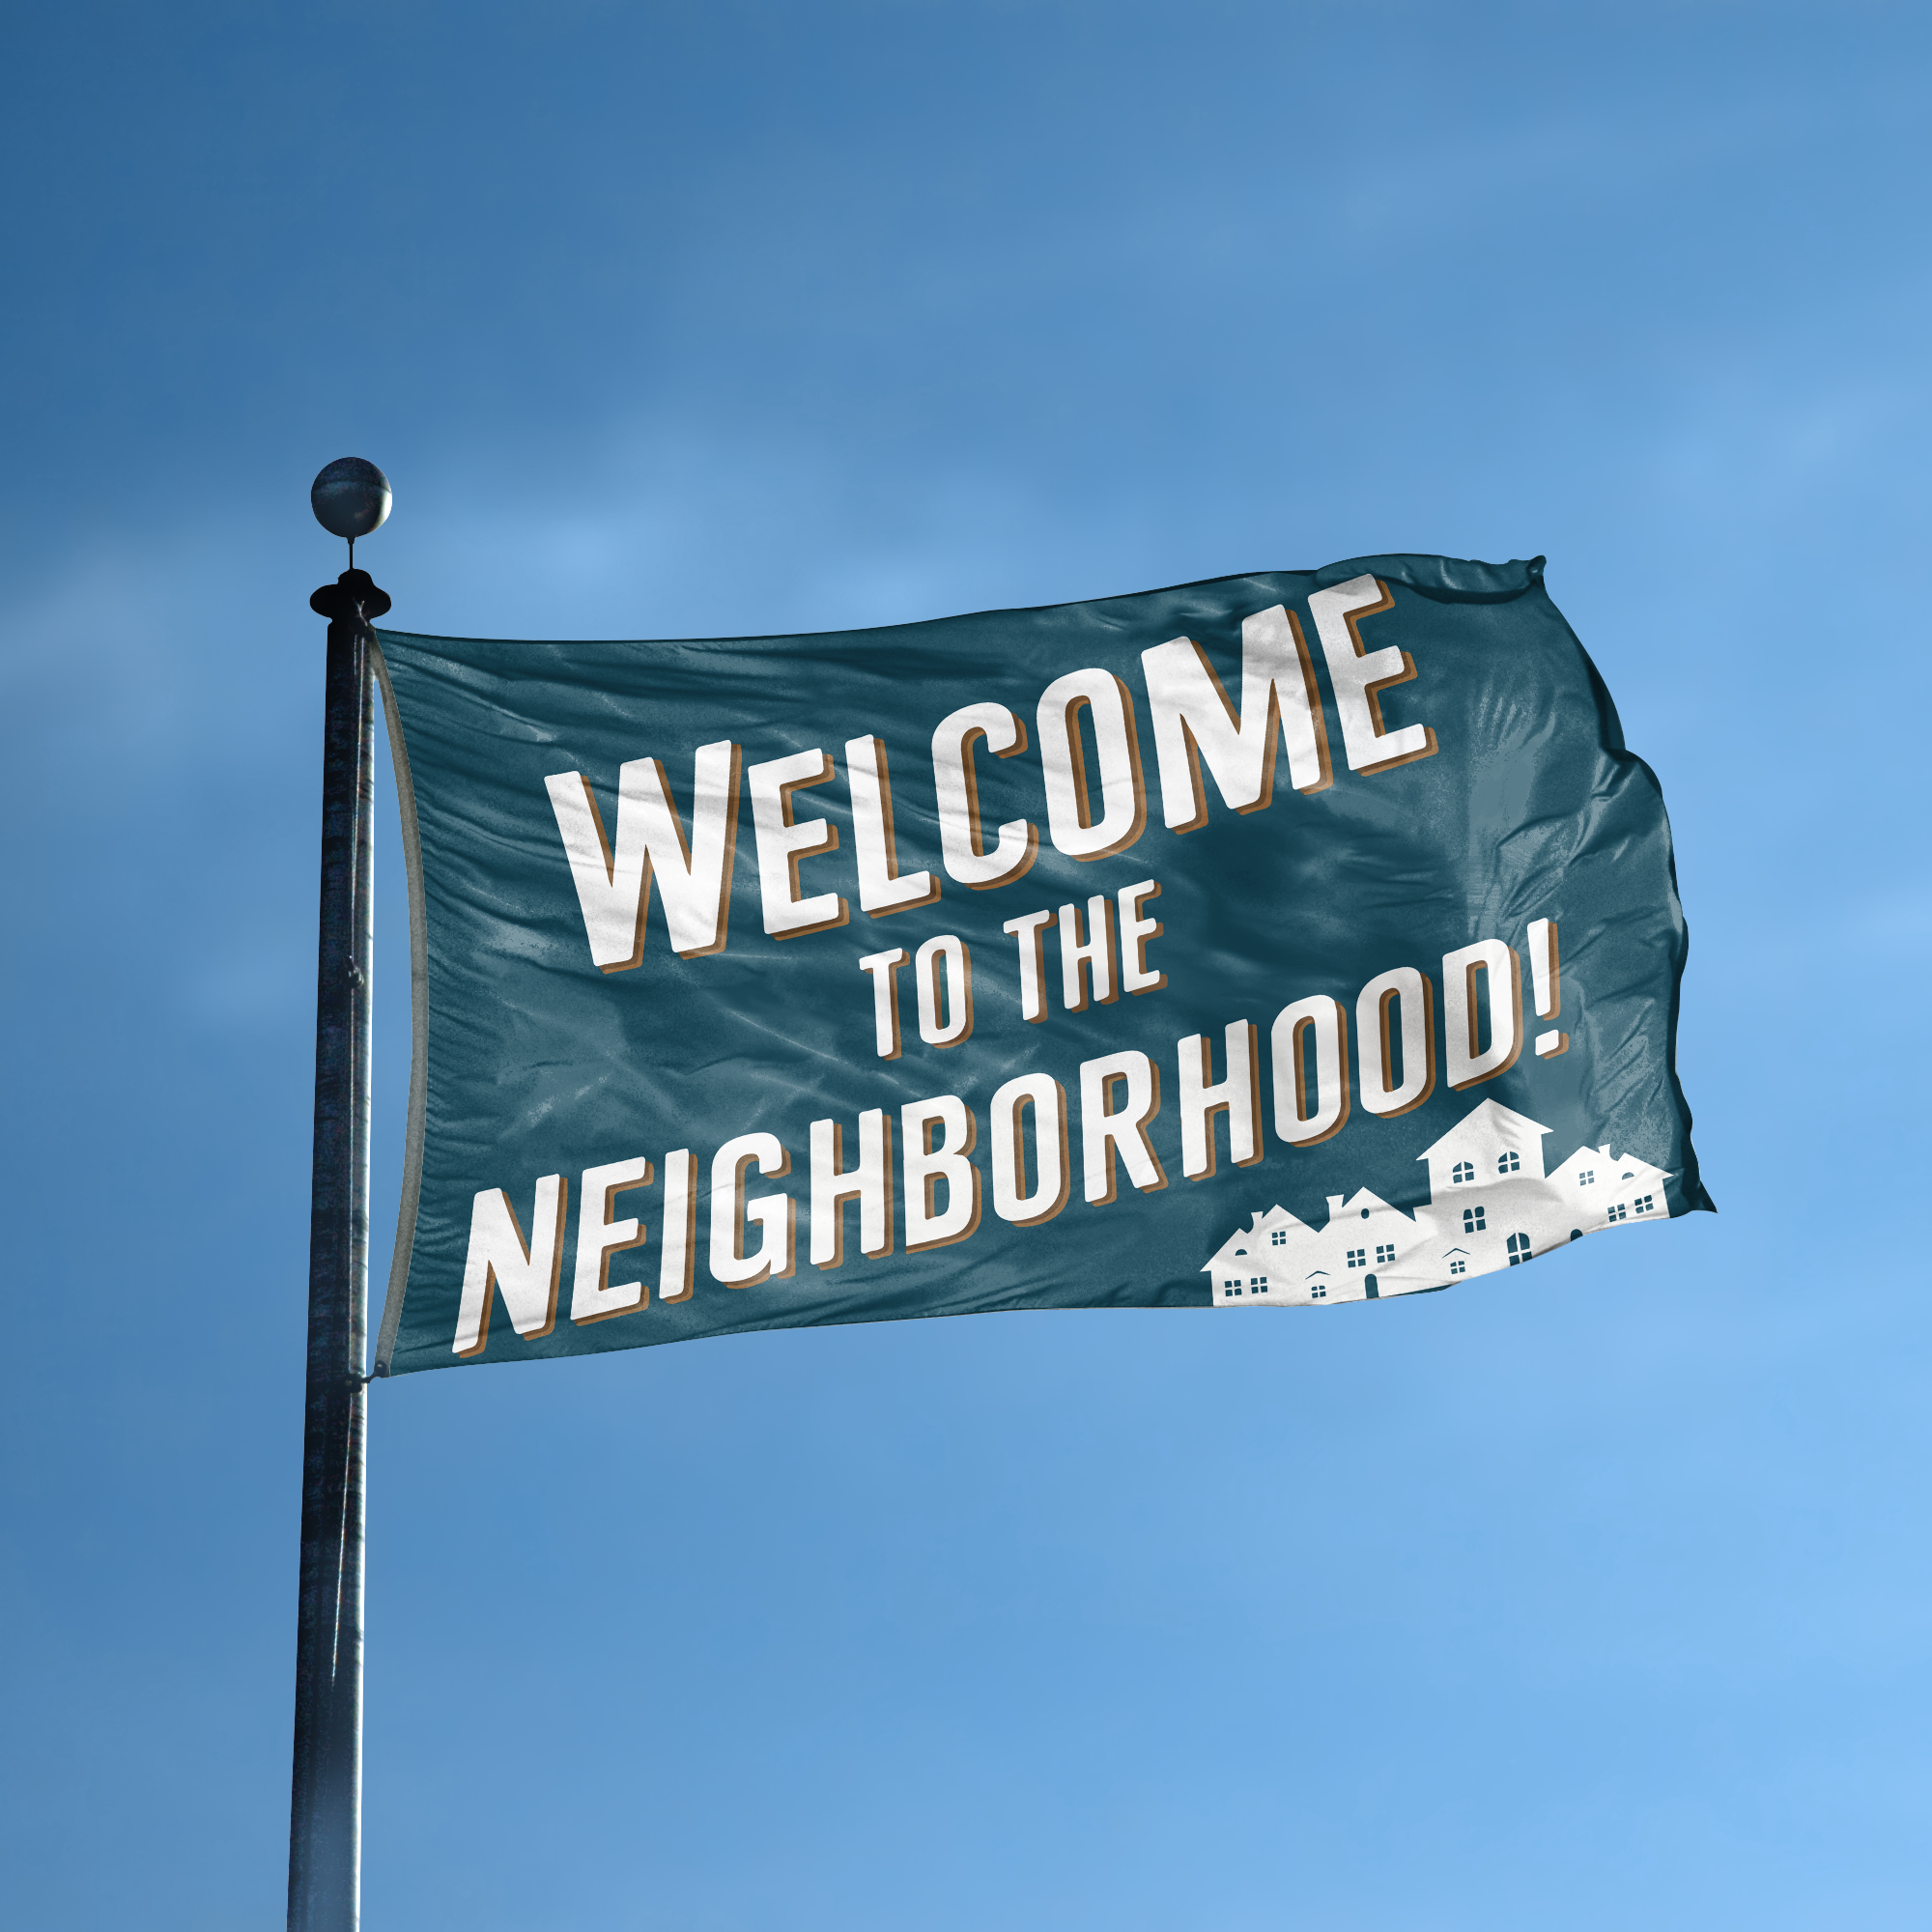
<point x="1334" y="1206"/>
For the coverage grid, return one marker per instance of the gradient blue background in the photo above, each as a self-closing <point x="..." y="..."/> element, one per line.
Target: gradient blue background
<point x="1593" y="1595"/>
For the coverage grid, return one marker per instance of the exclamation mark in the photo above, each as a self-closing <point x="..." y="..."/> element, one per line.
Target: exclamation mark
<point x="1547" y="979"/>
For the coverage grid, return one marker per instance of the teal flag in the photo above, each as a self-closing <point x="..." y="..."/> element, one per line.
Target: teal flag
<point x="1285" y="940"/>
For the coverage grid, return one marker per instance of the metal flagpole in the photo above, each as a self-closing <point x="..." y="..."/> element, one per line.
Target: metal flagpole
<point x="351" y="498"/>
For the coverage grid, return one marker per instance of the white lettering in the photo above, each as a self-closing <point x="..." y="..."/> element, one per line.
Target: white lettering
<point x="1465" y="1060"/>
<point x="1239" y="1096"/>
<point x="1360" y="676"/>
<point x="884" y="968"/>
<point x="927" y="1167"/>
<point x="958" y="797"/>
<point x="1194" y="724"/>
<point x="880" y="889"/>
<point x="958" y="992"/>
<point x="772" y="1215"/>
<point x="1135" y="932"/>
<point x="1069" y="818"/>
<point x="1307" y="1111"/>
<point x="677" y="1258"/>
<point x="782" y="843"/>
<point x="1047" y="1101"/>
<point x="1404" y="993"/>
<point x="1090" y="962"/>
<point x="833" y="1185"/>
<point x="694" y="881"/>
<point x="594" y="1296"/>
<point x="1028" y="930"/>
<point x="1105" y="1131"/>
<point x="524" y="1273"/>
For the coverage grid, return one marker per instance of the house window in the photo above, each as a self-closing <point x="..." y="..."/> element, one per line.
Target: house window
<point x="1384" y="1254"/>
<point x="1508" y="1163"/>
<point x="1280" y="1237"/>
<point x="1518" y="1248"/>
<point x="1318" y="1292"/>
<point x="1230" y="1288"/>
<point x="1473" y="1222"/>
<point x="1257" y="1284"/>
<point x="1587" y="1178"/>
<point x="1642" y="1205"/>
<point x="1463" y="1171"/>
<point x="1617" y="1210"/>
<point x="1459" y="1267"/>
<point x="1358" y="1258"/>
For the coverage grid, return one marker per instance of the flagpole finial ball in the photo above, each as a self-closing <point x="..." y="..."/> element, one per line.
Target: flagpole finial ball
<point x="350" y="498"/>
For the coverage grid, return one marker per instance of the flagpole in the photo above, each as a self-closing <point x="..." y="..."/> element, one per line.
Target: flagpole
<point x="325" y="1807"/>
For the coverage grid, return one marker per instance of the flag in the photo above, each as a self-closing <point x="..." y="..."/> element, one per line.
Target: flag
<point x="1280" y="941"/>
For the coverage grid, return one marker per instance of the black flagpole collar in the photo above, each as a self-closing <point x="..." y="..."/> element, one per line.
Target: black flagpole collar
<point x="353" y="596"/>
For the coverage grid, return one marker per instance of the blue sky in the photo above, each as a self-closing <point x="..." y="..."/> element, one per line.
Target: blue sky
<point x="1593" y="1595"/>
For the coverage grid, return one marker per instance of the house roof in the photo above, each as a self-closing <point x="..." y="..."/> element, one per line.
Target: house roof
<point x="1497" y="1118"/>
<point x="1613" y="1164"/>
<point x="1351" y="1209"/>
<point x="1235" y="1246"/>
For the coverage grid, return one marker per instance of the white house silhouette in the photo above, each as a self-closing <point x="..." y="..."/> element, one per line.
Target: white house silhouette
<point x="1491" y="1206"/>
